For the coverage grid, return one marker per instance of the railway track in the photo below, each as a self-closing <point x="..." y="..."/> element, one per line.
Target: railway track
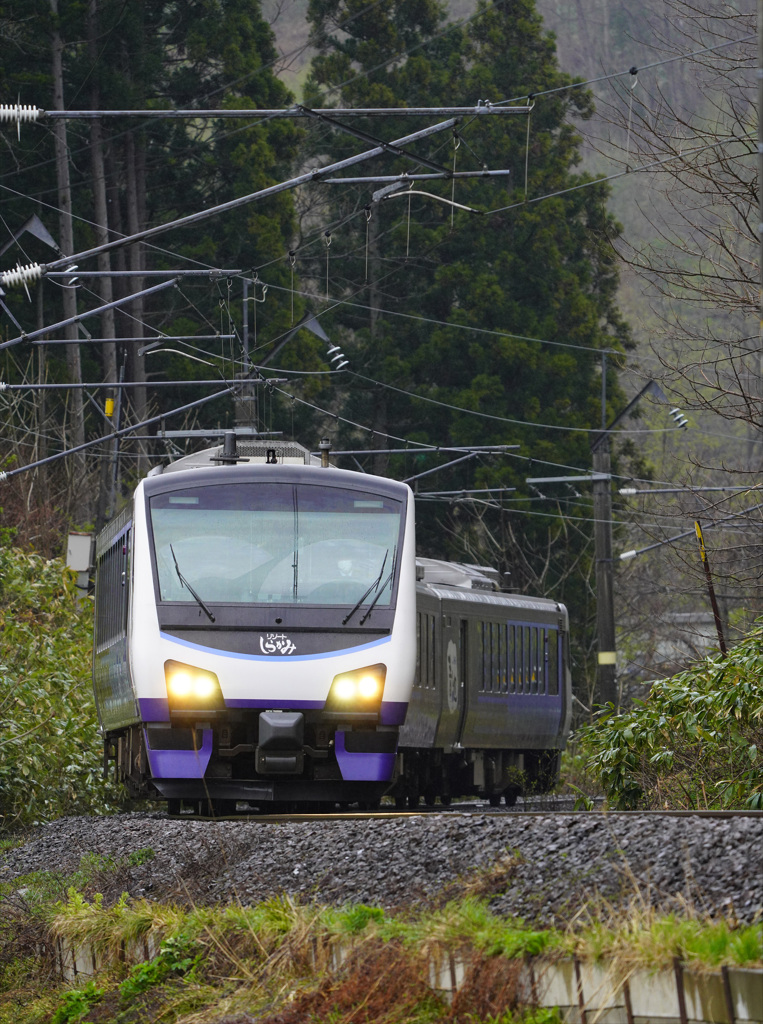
<point x="560" y="807"/>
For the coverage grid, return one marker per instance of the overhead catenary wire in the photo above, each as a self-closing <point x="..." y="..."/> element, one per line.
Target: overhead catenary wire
<point x="496" y="332"/>
<point x="234" y="204"/>
<point x="87" y="313"/>
<point x="641" y="67"/>
<point x="296" y="111"/>
<point x="627" y="556"/>
<point x="459" y="325"/>
<point x="7" y="475"/>
<point x="446" y="323"/>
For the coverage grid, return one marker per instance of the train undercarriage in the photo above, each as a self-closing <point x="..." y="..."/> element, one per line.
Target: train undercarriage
<point x="308" y="776"/>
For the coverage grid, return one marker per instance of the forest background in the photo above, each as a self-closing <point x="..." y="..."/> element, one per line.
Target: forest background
<point x="458" y="329"/>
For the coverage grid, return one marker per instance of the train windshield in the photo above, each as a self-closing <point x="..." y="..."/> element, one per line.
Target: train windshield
<point x="275" y="544"/>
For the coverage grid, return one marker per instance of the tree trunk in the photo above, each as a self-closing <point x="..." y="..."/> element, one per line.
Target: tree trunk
<point x="379" y="438"/>
<point x="79" y="503"/>
<point x="106" y="495"/>
<point x="135" y="157"/>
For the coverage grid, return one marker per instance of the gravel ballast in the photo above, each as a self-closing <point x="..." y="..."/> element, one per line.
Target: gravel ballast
<point x="562" y="861"/>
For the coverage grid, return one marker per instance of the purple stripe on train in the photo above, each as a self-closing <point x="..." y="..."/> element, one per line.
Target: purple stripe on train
<point x="362" y="767"/>
<point x="180" y="764"/>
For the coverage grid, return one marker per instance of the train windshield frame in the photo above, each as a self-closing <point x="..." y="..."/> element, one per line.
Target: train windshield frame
<point x="280" y="543"/>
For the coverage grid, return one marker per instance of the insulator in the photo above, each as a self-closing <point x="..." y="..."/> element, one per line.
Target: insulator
<point x="3" y="385"/>
<point x="21" y="275"/>
<point x="3" y="477"/>
<point x="15" y="113"/>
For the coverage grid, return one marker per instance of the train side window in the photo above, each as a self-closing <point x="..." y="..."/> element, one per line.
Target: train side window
<point x="526" y="661"/>
<point x="124" y="579"/>
<point x="503" y="668"/>
<point x="113" y="591"/>
<point x="542" y="659"/>
<point x="519" y="658"/>
<point x="425" y="651"/>
<point x="496" y="658"/>
<point x="533" y="660"/>
<point x="512" y="660"/>
<point x="553" y="662"/>
<point x="418" y="677"/>
<point x="484" y="657"/>
<point x="431" y="659"/>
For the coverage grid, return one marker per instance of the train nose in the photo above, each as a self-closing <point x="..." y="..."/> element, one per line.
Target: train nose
<point x="281" y="741"/>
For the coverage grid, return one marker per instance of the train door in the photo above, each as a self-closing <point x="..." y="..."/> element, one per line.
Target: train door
<point x="463" y="673"/>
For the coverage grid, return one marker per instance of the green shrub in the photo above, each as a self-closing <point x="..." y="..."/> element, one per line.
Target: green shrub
<point x="50" y="756"/>
<point x="177" y="956"/>
<point x="695" y="742"/>
<point x="75" y="1004"/>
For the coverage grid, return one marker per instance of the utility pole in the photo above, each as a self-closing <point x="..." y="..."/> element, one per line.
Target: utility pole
<point x="606" y="684"/>
<point x="606" y="679"/>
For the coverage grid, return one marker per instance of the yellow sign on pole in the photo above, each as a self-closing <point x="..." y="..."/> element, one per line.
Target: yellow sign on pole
<point x="710" y="588"/>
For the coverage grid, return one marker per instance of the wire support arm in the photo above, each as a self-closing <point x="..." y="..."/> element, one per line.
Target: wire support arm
<point x="213" y="273"/>
<point x="159" y="339"/>
<point x="431" y="449"/>
<point x="404" y="177"/>
<point x="626" y="556"/>
<point x="88" y="313"/>
<point x="135" y="384"/>
<point x="445" y="465"/>
<point x="373" y="140"/>
<point x="114" y="435"/>
<point x="481" y="110"/>
<point x="303" y="179"/>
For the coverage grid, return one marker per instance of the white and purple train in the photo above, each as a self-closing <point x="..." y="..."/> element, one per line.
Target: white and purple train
<point x="261" y="638"/>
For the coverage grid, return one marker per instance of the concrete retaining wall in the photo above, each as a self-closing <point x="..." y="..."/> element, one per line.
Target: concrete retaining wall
<point x="586" y="993"/>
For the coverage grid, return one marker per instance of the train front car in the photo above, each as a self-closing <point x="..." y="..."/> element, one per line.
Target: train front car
<point x="271" y="637"/>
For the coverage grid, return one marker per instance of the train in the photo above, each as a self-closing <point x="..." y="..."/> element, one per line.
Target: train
<point x="266" y="639"/>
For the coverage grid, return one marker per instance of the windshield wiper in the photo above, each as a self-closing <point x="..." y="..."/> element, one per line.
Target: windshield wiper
<point x="184" y="583"/>
<point x="372" y="605"/>
<point x="375" y="584"/>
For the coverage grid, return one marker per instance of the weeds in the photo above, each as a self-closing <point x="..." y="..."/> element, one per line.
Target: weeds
<point x="75" y="1004"/>
<point x="285" y="962"/>
<point x="176" y="956"/>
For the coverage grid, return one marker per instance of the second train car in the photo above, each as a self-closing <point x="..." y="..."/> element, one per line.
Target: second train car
<point x="490" y="709"/>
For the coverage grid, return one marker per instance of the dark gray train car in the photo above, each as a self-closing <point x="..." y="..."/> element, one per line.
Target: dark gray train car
<point x="490" y="710"/>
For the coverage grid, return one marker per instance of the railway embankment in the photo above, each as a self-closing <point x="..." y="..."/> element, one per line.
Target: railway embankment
<point x="561" y="864"/>
<point x="423" y="917"/>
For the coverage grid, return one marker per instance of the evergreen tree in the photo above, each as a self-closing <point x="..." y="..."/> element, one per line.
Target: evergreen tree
<point x="144" y="55"/>
<point x="542" y="270"/>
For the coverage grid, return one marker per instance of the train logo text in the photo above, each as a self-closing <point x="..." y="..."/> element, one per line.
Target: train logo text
<point x="277" y="643"/>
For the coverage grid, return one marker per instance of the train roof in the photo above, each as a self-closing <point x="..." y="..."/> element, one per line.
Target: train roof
<point x="457" y="574"/>
<point x="244" y="450"/>
<point x="474" y="584"/>
<point x="494" y="599"/>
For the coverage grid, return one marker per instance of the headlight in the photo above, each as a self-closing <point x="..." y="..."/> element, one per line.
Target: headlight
<point x="360" y="690"/>
<point x="192" y="688"/>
